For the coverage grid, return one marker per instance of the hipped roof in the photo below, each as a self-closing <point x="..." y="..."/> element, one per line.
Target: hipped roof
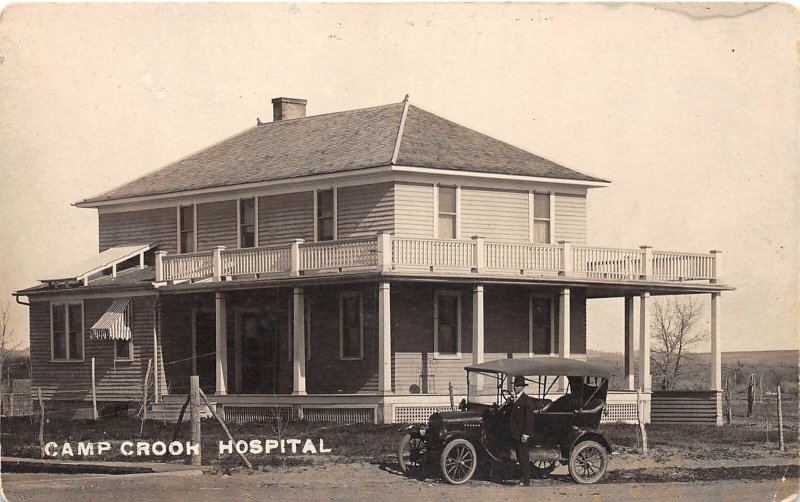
<point x="338" y="143"/>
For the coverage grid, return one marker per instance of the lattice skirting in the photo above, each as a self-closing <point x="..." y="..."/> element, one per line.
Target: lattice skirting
<point x="343" y="415"/>
<point x="414" y="414"/>
<point x="620" y="412"/>
<point x="265" y="414"/>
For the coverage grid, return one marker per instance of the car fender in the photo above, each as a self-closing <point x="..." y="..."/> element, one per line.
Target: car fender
<point x="576" y="435"/>
<point x="449" y="436"/>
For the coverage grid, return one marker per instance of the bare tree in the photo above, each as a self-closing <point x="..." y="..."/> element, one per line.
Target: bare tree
<point x="7" y="343"/>
<point x="673" y="329"/>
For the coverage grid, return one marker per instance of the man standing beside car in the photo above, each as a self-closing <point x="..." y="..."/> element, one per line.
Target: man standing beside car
<point x="522" y="427"/>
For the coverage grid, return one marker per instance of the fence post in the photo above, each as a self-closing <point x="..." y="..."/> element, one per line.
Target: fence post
<point x="294" y="270"/>
<point x="639" y="418"/>
<point x="565" y="268"/>
<point x="160" y="265"/>
<point x="194" y="413"/>
<point x="780" y="421"/>
<point x="94" y="394"/>
<point x="728" y="412"/>
<point x="41" y="421"/>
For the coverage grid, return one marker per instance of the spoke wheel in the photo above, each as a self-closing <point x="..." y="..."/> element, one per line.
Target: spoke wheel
<point x="411" y="455"/>
<point x="587" y="462"/>
<point x="543" y="467"/>
<point x="459" y="461"/>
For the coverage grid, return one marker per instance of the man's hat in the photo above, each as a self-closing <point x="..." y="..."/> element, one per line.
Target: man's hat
<point x="519" y="381"/>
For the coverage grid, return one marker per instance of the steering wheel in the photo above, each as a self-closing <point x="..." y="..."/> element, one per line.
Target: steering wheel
<point x="507" y="395"/>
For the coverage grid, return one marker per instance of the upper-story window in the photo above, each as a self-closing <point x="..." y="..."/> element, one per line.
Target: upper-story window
<point x="447" y="218"/>
<point x="66" y="324"/>
<point x="325" y="215"/>
<point x="186" y="229"/>
<point x="247" y="223"/>
<point x="541" y="218"/>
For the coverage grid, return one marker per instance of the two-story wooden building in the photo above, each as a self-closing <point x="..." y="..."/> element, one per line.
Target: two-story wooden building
<point x="344" y="266"/>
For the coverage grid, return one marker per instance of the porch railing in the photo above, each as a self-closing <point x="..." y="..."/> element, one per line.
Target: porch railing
<point x="385" y="253"/>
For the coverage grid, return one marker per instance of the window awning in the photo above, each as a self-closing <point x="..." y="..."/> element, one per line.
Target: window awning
<point x="115" y="324"/>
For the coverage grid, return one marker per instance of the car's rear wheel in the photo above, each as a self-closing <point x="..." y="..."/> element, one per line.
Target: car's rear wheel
<point x="588" y="461"/>
<point x="542" y="467"/>
<point x="411" y="455"/>
<point x="459" y="461"/>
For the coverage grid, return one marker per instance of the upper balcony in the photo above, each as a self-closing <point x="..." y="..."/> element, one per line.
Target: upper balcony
<point x="474" y="258"/>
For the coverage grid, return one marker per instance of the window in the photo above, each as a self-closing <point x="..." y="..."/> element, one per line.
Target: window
<point x="247" y="223"/>
<point x="325" y="215"/>
<point x="123" y="350"/>
<point x="186" y="229"/>
<point x="540" y="339"/>
<point x="447" y="323"/>
<point x="66" y="324"/>
<point x="306" y="326"/>
<point x="541" y="218"/>
<point x="447" y="219"/>
<point x="351" y="340"/>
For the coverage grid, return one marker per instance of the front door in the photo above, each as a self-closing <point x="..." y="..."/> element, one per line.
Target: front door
<point x="256" y="353"/>
<point x="205" y="350"/>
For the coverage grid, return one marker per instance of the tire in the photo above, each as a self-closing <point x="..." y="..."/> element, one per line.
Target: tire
<point x="541" y="468"/>
<point x="459" y="461"/>
<point x="411" y="455"/>
<point x="588" y="461"/>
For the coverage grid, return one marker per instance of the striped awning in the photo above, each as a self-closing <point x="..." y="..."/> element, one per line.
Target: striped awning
<point x="115" y="324"/>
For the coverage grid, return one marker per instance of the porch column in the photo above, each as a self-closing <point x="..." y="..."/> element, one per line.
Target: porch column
<point x="222" y="344"/>
<point x="644" y="342"/>
<point x="477" y="330"/>
<point x="563" y="331"/>
<point x="629" y="353"/>
<point x="299" y="343"/>
<point x="384" y="339"/>
<point x="716" y="354"/>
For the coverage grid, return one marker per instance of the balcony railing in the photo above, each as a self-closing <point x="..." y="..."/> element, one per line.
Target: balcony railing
<point x="387" y="253"/>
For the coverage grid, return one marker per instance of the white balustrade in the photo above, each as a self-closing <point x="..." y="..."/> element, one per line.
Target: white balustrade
<point x="606" y="263"/>
<point x="671" y="266"/>
<point x="433" y="253"/>
<point x="517" y="257"/>
<point x="354" y="253"/>
<point x="261" y="260"/>
<point x="187" y="266"/>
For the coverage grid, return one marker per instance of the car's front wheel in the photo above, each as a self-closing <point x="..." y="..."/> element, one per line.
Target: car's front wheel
<point x="411" y="455"/>
<point x="459" y="461"/>
<point x="588" y="461"/>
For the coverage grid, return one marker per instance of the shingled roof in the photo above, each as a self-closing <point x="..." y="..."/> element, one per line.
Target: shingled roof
<point x="341" y="142"/>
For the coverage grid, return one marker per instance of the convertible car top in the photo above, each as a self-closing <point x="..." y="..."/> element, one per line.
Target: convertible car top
<point x="542" y="366"/>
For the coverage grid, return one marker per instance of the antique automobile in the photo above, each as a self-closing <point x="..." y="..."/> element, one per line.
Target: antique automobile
<point x="564" y="428"/>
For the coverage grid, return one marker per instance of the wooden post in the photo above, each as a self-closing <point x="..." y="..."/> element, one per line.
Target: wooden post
<point x="160" y="265"/>
<point x="640" y="419"/>
<point x="94" y="394"/>
<point x="224" y="428"/>
<point x="780" y="421"/>
<point x="450" y="390"/>
<point x="478" y="254"/>
<point x="144" y="394"/>
<point x="728" y="411"/>
<point x="565" y="267"/>
<point x="194" y="413"/>
<point x="41" y="421"/>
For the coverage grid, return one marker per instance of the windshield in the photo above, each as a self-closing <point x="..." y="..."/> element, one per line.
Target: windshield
<point x="485" y="387"/>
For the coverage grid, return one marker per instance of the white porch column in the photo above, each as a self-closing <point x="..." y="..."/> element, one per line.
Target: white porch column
<point x="629" y="353"/>
<point x="563" y="330"/>
<point x="222" y="345"/>
<point x="299" y="343"/>
<point x="384" y="339"/>
<point x="716" y="350"/>
<point x="477" y="330"/>
<point x="644" y="342"/>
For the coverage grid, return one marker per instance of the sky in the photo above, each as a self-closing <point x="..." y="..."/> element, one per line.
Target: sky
<point x="691" y="111"/>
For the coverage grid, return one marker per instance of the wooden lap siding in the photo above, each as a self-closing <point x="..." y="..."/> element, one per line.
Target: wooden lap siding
<point x="282" y="218"/>
<point x="413" y="216"/>
<point x="149" y="226"/>
<point x="497" y="215"/>
<point x="570" y="218"/>
<point x="216" y="225"/>
<point x="120" y="381"/>
<point x="365" y="210"/>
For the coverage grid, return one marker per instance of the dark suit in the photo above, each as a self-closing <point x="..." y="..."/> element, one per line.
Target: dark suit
<point x="522" y="423"/>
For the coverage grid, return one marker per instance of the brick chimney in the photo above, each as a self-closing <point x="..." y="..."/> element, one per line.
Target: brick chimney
<point x="288" y="108"/>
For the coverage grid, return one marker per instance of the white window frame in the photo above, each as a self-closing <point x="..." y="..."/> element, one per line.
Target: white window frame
<point x="194" y="227"/>
<point x="130" y="351"/>
<point x="532" y="216"/>
<point x="552" y="323"/>
<point x="334" y="209"/>
<point x="306" y="327"/>
<point x="342" y="297"/>
<point x="436" y="296"/>
<point x="239" y="221"/>
<point x="68" y="359"/>
<point x="436" y="210"/>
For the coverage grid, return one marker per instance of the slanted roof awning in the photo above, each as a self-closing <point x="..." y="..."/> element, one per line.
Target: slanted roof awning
<point x="115" y="324"/>
<point x="109" y="258"/>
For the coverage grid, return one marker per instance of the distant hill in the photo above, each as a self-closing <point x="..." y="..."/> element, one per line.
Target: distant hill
<point x="767" y="357"/>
